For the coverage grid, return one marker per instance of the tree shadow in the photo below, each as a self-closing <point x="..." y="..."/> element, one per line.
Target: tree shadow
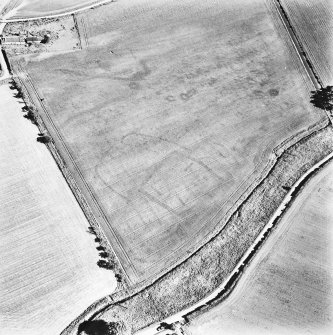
<point x="99" y="327"/>
<point x="44" y="139"/>
<point x="323" y="98"/>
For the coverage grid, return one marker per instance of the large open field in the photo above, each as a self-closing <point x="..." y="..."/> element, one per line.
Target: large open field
<point x="170" y="112"/>
<point x="313" y="22"/>
<point x="48" y="260"/>
<point x="288" y="288"/>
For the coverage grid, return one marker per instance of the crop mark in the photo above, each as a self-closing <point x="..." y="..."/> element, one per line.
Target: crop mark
<point x="273" y="92"/>
<point x="139" y="75"/>
<point x="188" y="94"/>
<point x="170" y="98"/>
<point x="158" y="202"/>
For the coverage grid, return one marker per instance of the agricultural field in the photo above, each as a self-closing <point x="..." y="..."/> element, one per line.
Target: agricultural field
<point x="313" y="22"/>
<point x="48" y="259"/>
<point x="39" y="8"/>
<point x="288" y="287"/>
<point x="170" y="112"/>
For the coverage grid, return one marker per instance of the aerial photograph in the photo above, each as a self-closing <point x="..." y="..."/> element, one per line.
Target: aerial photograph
<point x="166" y="167"/>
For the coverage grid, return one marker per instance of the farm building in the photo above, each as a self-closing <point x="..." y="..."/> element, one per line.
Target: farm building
<point x="31" y="39"/>
<point x="19" y="39"/>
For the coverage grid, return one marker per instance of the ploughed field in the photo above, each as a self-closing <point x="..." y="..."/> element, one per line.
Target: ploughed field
<point x="170" y="111"/>
<point x="288" y="287"/>
<point x="39" y="8"/>
<point x="48" y="259"/>
<point x="313" y="23"/>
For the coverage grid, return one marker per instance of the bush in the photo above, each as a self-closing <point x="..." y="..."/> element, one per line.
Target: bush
<point x="102" y="263"/>
<point x="104" y="254"/>
<point x="31" y="116"/>
<point x="19" y="94"/>
<point x="44" y="139"/>
<point x="91" y="230"/>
